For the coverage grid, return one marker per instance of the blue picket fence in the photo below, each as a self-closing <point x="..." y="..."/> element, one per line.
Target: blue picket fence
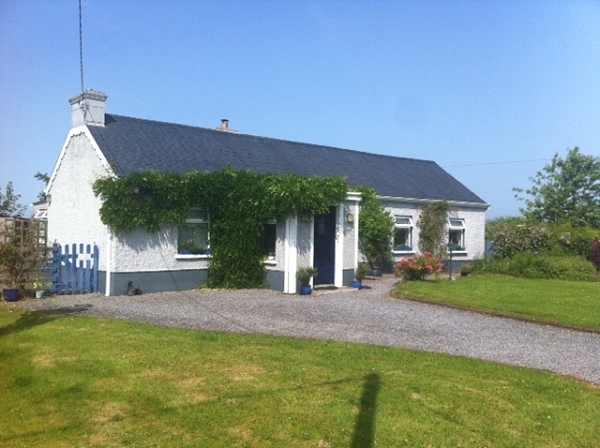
<point x="74" y="269"/>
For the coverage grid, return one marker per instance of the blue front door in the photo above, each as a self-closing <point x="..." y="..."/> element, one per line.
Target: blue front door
<point x="324" y="261"/>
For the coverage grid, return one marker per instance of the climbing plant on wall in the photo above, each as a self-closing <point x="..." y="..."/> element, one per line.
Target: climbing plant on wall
<point x="239" y="202"/>
<point x="375" y="230"/>
<point x="433" y="233"/>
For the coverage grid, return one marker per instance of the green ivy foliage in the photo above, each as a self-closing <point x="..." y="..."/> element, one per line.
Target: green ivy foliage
<point x="239" y="202"/>
<point x="146" y="200"/>
<point x="432" y="228"/>
<point x="375" y="231"/>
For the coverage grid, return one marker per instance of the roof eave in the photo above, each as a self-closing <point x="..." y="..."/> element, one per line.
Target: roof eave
<point x="459" y="204"/>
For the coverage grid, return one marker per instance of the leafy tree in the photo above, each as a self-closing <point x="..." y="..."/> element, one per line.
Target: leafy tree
<point x="9" y="203"/>
<point x="42" y="178"/>
<point x="565" y="191"/>
<point x="375" y="231"/>
<point x="432" y="228"/>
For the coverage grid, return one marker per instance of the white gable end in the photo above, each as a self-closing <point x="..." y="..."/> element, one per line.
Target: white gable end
<point x="73" y="212"/>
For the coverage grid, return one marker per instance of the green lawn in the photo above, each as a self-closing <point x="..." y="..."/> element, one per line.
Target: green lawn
<point x="74" y="381"/>
<point x="575" y="304"/>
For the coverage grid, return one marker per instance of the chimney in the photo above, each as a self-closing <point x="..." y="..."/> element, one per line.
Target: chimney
<point x="88" y="108"/>
<point x="225" y="126"/>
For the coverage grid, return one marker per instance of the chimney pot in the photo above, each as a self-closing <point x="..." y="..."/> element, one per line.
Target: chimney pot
<point x="224" y="123"/>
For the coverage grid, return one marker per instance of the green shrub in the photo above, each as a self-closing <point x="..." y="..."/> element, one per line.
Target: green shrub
<point x="466" y="270"/>
<point x="535" y="266"/>
<point x="573" y="268"/>
<point x="568" y="240"/>
<point x="517" y="236"/>
<point x="375" y="230"/>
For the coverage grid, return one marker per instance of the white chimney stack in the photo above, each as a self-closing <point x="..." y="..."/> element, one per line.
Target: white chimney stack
<point x="88" y="108"/>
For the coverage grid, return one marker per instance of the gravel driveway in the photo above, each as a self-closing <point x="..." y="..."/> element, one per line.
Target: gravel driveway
<point x="369" y="316"/>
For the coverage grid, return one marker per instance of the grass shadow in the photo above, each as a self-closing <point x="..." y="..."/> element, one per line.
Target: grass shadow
<point x="26" y="321"/>
<point x="30" y="319"/>
<point x="364" y="428"/>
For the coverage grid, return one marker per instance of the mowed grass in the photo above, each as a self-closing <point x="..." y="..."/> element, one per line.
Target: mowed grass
<point x="74" y="381"/>
<point x="575" y="304"/>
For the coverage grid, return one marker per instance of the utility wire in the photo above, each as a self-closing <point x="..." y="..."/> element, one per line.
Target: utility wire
<point x="498" y="163"/>
<point x="80" y="48"/>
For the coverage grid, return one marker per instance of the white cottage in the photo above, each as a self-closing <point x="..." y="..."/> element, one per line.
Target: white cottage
<point x="101" y="144"/>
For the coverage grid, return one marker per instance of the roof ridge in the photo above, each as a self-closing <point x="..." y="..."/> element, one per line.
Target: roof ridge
<point x="242" y="134"/>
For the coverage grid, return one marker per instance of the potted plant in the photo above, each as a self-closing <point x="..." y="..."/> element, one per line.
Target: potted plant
<point x="304" y="276"/>
<point x="40" y="285"/>
<point x="361" y="272"/>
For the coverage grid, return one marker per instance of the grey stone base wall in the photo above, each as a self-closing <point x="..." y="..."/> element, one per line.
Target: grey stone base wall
<point x="151" y="282"/>
<point x="162" y="281"/>
<point x="347" y="277"/>
<point x="275" y="280"/>
<point x="456" y="264"/>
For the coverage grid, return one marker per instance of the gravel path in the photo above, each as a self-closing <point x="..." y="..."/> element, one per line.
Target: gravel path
<point x="369" y="316"/>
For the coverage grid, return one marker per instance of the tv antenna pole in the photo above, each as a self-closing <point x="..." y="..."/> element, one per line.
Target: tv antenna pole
<point x="80" y="47"/>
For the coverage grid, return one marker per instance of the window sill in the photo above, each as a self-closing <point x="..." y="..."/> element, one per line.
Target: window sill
<point x="457" y="252"/>
<point x="270" y="262"/>
<point x="192" y="257"/>
<point x="403" y="252"/>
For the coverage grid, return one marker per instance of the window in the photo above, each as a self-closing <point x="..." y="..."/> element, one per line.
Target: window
<point x="269" y="239"/>
<point x="403" y="234"/>
<point x="456" y="235"/>
<point x="193" y="237"/>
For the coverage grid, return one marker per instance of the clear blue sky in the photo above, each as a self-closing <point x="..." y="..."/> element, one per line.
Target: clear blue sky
<point x="490" y="90"/>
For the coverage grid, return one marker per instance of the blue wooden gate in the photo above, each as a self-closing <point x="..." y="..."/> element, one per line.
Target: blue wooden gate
<point x="74" y="269"/>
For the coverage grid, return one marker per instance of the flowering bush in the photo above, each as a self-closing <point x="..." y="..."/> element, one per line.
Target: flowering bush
<point x="418" y="267"/>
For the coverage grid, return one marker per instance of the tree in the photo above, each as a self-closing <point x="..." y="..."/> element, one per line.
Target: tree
<point x="565" y="191"/>
<point x="42" y="178"/>
<point x="432" y="228"/>
<point x="375" y="231"/>
<point x="9" y="203"/>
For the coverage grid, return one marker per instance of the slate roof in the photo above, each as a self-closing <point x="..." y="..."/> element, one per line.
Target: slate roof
<point x="135" y="145"/>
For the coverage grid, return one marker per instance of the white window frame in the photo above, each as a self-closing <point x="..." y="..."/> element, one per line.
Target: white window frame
<point x="407" y="224"/>
<point x="457" y="225"/>
<point x="271" y="258"/>
<point x="206" y="254"/>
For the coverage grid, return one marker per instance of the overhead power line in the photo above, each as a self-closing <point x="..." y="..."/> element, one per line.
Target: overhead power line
<point x="498" y="163"/>
<point x="81" y="48"/>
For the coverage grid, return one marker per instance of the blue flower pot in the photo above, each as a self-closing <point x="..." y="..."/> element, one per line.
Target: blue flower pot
<point x="357" y="285"/>
<point x="376" y="272"/>
<point x="10" y="294"/>
<point x="305" y="290"/>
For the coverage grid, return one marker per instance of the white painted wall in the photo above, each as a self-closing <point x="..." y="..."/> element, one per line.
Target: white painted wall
<point x="350" y="231"/>
<point x="139" y="251"/>
<point x="73" y="212"/>
<point x="473" y="215"/>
